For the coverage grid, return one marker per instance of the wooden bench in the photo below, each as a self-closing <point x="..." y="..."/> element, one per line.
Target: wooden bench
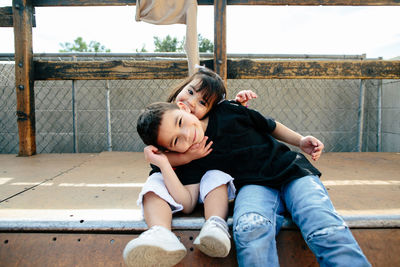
<point x="80" y="209"/>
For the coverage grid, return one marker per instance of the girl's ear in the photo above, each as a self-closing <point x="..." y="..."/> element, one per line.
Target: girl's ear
<point x="182" y="106"/>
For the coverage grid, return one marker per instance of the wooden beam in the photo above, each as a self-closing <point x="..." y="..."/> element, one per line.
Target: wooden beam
<point x="109" y="70"/>
<point x="316" y="2"/>
<point x="6" y="17"/>
<point x="329" y="69"/>
<point x="22" y="17"/>
<point x="236" y="69"/>
<point x="229" y="2"/>
<point x="220" y="58"/>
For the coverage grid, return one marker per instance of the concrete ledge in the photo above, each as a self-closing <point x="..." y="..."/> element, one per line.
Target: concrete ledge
<point x="182" y="223"/>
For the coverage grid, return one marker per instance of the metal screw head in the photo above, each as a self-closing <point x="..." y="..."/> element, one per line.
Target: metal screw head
<point x="21" y="87"/>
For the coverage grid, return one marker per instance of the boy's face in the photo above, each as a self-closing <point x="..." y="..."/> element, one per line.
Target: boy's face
<point x="179" y="130"/>
<point x="194" y="100"/>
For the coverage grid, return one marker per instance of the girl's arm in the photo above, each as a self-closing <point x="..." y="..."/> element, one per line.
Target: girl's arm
<point x="308" y="144"/>
<point x="244" y="96"/>
<point x="196" y="151"/>
<point x="187" y="196"/>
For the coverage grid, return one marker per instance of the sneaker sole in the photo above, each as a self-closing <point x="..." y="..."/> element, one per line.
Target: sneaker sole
<point x="153" y="256"/>
<point x="212" y="247"/>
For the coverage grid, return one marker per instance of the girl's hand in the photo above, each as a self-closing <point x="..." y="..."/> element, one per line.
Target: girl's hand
<point x="244" y="96"/>
<point x="199" y="150"/>
<point x="312" y="146"/>
<point x="154" y="156"/>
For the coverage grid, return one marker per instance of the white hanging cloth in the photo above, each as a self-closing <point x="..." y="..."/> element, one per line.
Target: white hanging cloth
<point x="165" y="12"/>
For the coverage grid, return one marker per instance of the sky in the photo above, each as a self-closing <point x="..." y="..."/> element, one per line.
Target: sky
<point x="374" y="31"/>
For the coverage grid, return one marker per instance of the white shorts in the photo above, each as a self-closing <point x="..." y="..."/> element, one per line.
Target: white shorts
<point x="210" y="180"/>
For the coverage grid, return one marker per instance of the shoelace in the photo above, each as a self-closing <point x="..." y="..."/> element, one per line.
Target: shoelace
<point x="219" y="225"/>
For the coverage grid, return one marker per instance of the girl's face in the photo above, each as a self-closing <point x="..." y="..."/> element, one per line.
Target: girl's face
<point x="194" y="100"/>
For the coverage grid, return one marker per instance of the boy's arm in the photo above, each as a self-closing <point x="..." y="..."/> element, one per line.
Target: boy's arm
<point x="196" y="151"/>
<point x="308" y="144"/>
<point x="178" y="191"/>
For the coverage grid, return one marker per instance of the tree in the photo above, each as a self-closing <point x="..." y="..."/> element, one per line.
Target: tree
<point x="80" y="45"/>
<point x="142" y="50"/>
<point x="205" y="45"/>
<point x="168" y="44"/>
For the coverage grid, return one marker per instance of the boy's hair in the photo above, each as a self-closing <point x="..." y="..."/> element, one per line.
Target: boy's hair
<point x="212" y="86"/>
<point x="149" y="121"/>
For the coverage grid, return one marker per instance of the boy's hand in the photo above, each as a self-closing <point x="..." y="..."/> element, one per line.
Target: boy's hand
<point x="244" y="96"/>
<point x="312" y="146"/>
<point x="199" y="150"/>
<point x="154" y="156"/>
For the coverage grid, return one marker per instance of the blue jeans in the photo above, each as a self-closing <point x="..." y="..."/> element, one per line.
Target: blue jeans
<point x="258" y="217"/>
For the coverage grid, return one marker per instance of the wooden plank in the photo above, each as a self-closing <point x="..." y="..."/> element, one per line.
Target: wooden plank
<point x="110" y="70"/>
<point x="220" y="58"/>
<point x="381" y="247"/>
<point x="316" y="2"/>
<point x="236" y="69"/>
<point x="309" y="69"/>
<point x="22" y="17"/>
<point x="229" y="2"/>
<point x="6" y="17"/>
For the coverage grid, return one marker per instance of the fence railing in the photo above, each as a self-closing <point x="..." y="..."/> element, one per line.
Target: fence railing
<point x="98" y="115"/>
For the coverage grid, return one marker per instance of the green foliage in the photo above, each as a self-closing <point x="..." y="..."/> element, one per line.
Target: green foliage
<point x="205" y="45"/>
<point x="142" y="50"/>
<point x="168" y="44"/>
<point x="80" y="45"/>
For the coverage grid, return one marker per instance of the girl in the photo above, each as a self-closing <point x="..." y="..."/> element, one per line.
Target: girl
<point x="199" y="93"/>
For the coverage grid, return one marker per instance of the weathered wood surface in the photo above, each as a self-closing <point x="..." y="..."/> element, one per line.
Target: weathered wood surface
<point x="311" y="69"/>
<point x="22" y="17"/>
<point x="381" y="247"/>
<point x="6" y="17"/>
<point x="229" y="2"/>
<point x="236" y="69"/>
<point x="220" y="58"/>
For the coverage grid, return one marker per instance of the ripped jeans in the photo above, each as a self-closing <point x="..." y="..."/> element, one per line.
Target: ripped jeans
<point x="258" y="217"/>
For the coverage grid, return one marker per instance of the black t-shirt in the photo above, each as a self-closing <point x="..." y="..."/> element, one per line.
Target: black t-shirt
<point x="244" y="148"/>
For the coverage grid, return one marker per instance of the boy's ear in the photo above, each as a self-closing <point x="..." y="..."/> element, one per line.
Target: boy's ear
<point x="182" y="106"/>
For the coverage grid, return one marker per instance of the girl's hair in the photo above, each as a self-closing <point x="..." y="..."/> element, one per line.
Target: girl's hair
<point x="212" y="86"/>
<point x="149" y="121"/>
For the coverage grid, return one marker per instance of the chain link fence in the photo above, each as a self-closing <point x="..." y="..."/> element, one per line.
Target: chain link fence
<point x="93" y="116"/>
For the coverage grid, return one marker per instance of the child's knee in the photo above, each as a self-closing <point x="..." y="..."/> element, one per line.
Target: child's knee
<point x="250" y="226"/>
<point x="327" y="232"/>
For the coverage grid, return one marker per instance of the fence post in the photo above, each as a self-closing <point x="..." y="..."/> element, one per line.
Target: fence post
<point x="220" y="58"/>
<point x="379" y="118"/>
<point x="22" y="19"/>
<point x="108" y="112"/>
<point x="361" y="116"/>
<point x="75" y="114"/>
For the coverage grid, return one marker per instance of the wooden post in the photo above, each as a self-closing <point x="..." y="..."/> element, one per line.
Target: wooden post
<point x="22" y="16"/>
<point x="220" y="59"/>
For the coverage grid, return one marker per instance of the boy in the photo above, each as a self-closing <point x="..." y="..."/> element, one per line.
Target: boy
<point x="245" y="147"/>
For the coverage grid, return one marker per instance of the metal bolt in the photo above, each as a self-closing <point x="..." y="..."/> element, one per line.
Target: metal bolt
<point x="21" y="87"/>
<point x="20" y="64"/>
<point x="17" y="6"/>
<point x="219" y="61"/>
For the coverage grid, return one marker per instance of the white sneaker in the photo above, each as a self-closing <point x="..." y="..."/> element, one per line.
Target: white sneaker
<point x="157" y="246"/>
<point x="214" y="239"/>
